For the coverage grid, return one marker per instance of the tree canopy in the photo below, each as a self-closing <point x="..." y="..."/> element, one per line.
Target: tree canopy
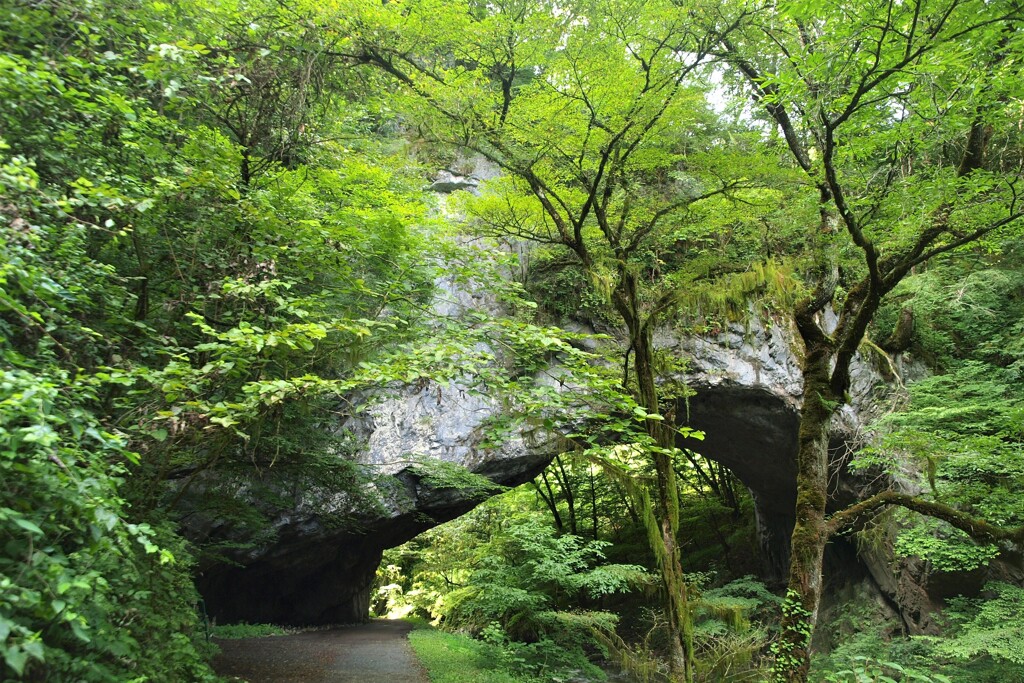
<point x="216" y="243"/>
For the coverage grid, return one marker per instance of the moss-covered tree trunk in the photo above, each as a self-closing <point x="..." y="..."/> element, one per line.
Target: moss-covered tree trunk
<point x="662" y="523"/>
<point x="826" y="376"/>
<point x="810" y="532"/>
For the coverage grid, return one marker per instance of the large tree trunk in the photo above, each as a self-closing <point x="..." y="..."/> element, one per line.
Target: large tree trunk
<point x="663" y="529"/>
<point x="810" y="533"/>
<point x="661" y="519"/>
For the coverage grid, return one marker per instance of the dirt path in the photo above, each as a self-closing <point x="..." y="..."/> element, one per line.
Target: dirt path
<point x="377" y="652"/>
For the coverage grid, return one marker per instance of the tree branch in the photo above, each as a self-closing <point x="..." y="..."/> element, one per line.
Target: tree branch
<point x="976" y="528"/>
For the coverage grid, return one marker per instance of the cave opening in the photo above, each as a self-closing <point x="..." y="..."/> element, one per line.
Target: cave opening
<point x="753" y="433"/>
<point x="312" y="575"/>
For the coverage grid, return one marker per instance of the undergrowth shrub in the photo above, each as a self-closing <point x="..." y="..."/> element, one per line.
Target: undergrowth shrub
<point x="981" y="644"/>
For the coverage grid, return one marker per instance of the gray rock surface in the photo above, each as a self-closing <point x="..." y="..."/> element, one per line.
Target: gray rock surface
<point x="324" y="545"/>
<point x="447" y="182"/>
<point x="319" y="565"/>
<point x="468" y="176"/>
<point x="748" y="396"/>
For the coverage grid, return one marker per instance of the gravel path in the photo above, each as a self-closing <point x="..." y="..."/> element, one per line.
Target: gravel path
<point x="377" y="652"/>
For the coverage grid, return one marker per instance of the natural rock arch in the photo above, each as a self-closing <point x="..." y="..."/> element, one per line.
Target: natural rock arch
<point x="748" y="393"/>
<point x="318" y="573"/>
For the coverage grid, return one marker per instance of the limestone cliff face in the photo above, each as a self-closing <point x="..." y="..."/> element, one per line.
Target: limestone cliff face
<point x="318" y="567"/>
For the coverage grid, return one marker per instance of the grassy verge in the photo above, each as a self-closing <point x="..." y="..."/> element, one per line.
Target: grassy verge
<point x="451" y="658"/>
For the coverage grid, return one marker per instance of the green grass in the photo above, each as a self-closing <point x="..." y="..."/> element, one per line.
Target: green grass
<point x="451" y="658"/>
<point x="232" y="631"/>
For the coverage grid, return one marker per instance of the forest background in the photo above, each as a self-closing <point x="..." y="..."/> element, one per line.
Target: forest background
<point x="215" y="230"/>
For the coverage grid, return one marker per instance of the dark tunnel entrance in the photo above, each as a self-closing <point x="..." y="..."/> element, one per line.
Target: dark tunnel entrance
<point x="753" y="433"/>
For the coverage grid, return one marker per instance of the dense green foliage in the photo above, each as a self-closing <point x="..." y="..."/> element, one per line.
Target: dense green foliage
<point x="960" y="434"/>
<point x="981" y="643"/>
<point x="963" y="427"/>
<point x="215" y="242"/>
<point x="502" y="573"/>
<point x="194" y="267"/>
<point x="546" y="603"/>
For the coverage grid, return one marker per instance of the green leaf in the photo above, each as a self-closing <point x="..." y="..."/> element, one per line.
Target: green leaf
<point x="16" y="658"/>
<point x="28" y="526"/>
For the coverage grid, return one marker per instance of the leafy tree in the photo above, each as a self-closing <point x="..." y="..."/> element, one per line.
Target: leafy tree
<point x="264" y="73"/>
<point x="589" y="111"/>
<point x="989" y="627"/>
<point x="962" y="428"/>
<point x="883" y="107"/>
<point x="91" y="590"/>
<point x="980" y="643"/>
<point x="164" y="314"/>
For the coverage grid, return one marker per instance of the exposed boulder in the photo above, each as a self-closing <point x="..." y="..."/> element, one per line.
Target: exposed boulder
<point x="467" y="175"/>
<point x="448" y="182"/>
